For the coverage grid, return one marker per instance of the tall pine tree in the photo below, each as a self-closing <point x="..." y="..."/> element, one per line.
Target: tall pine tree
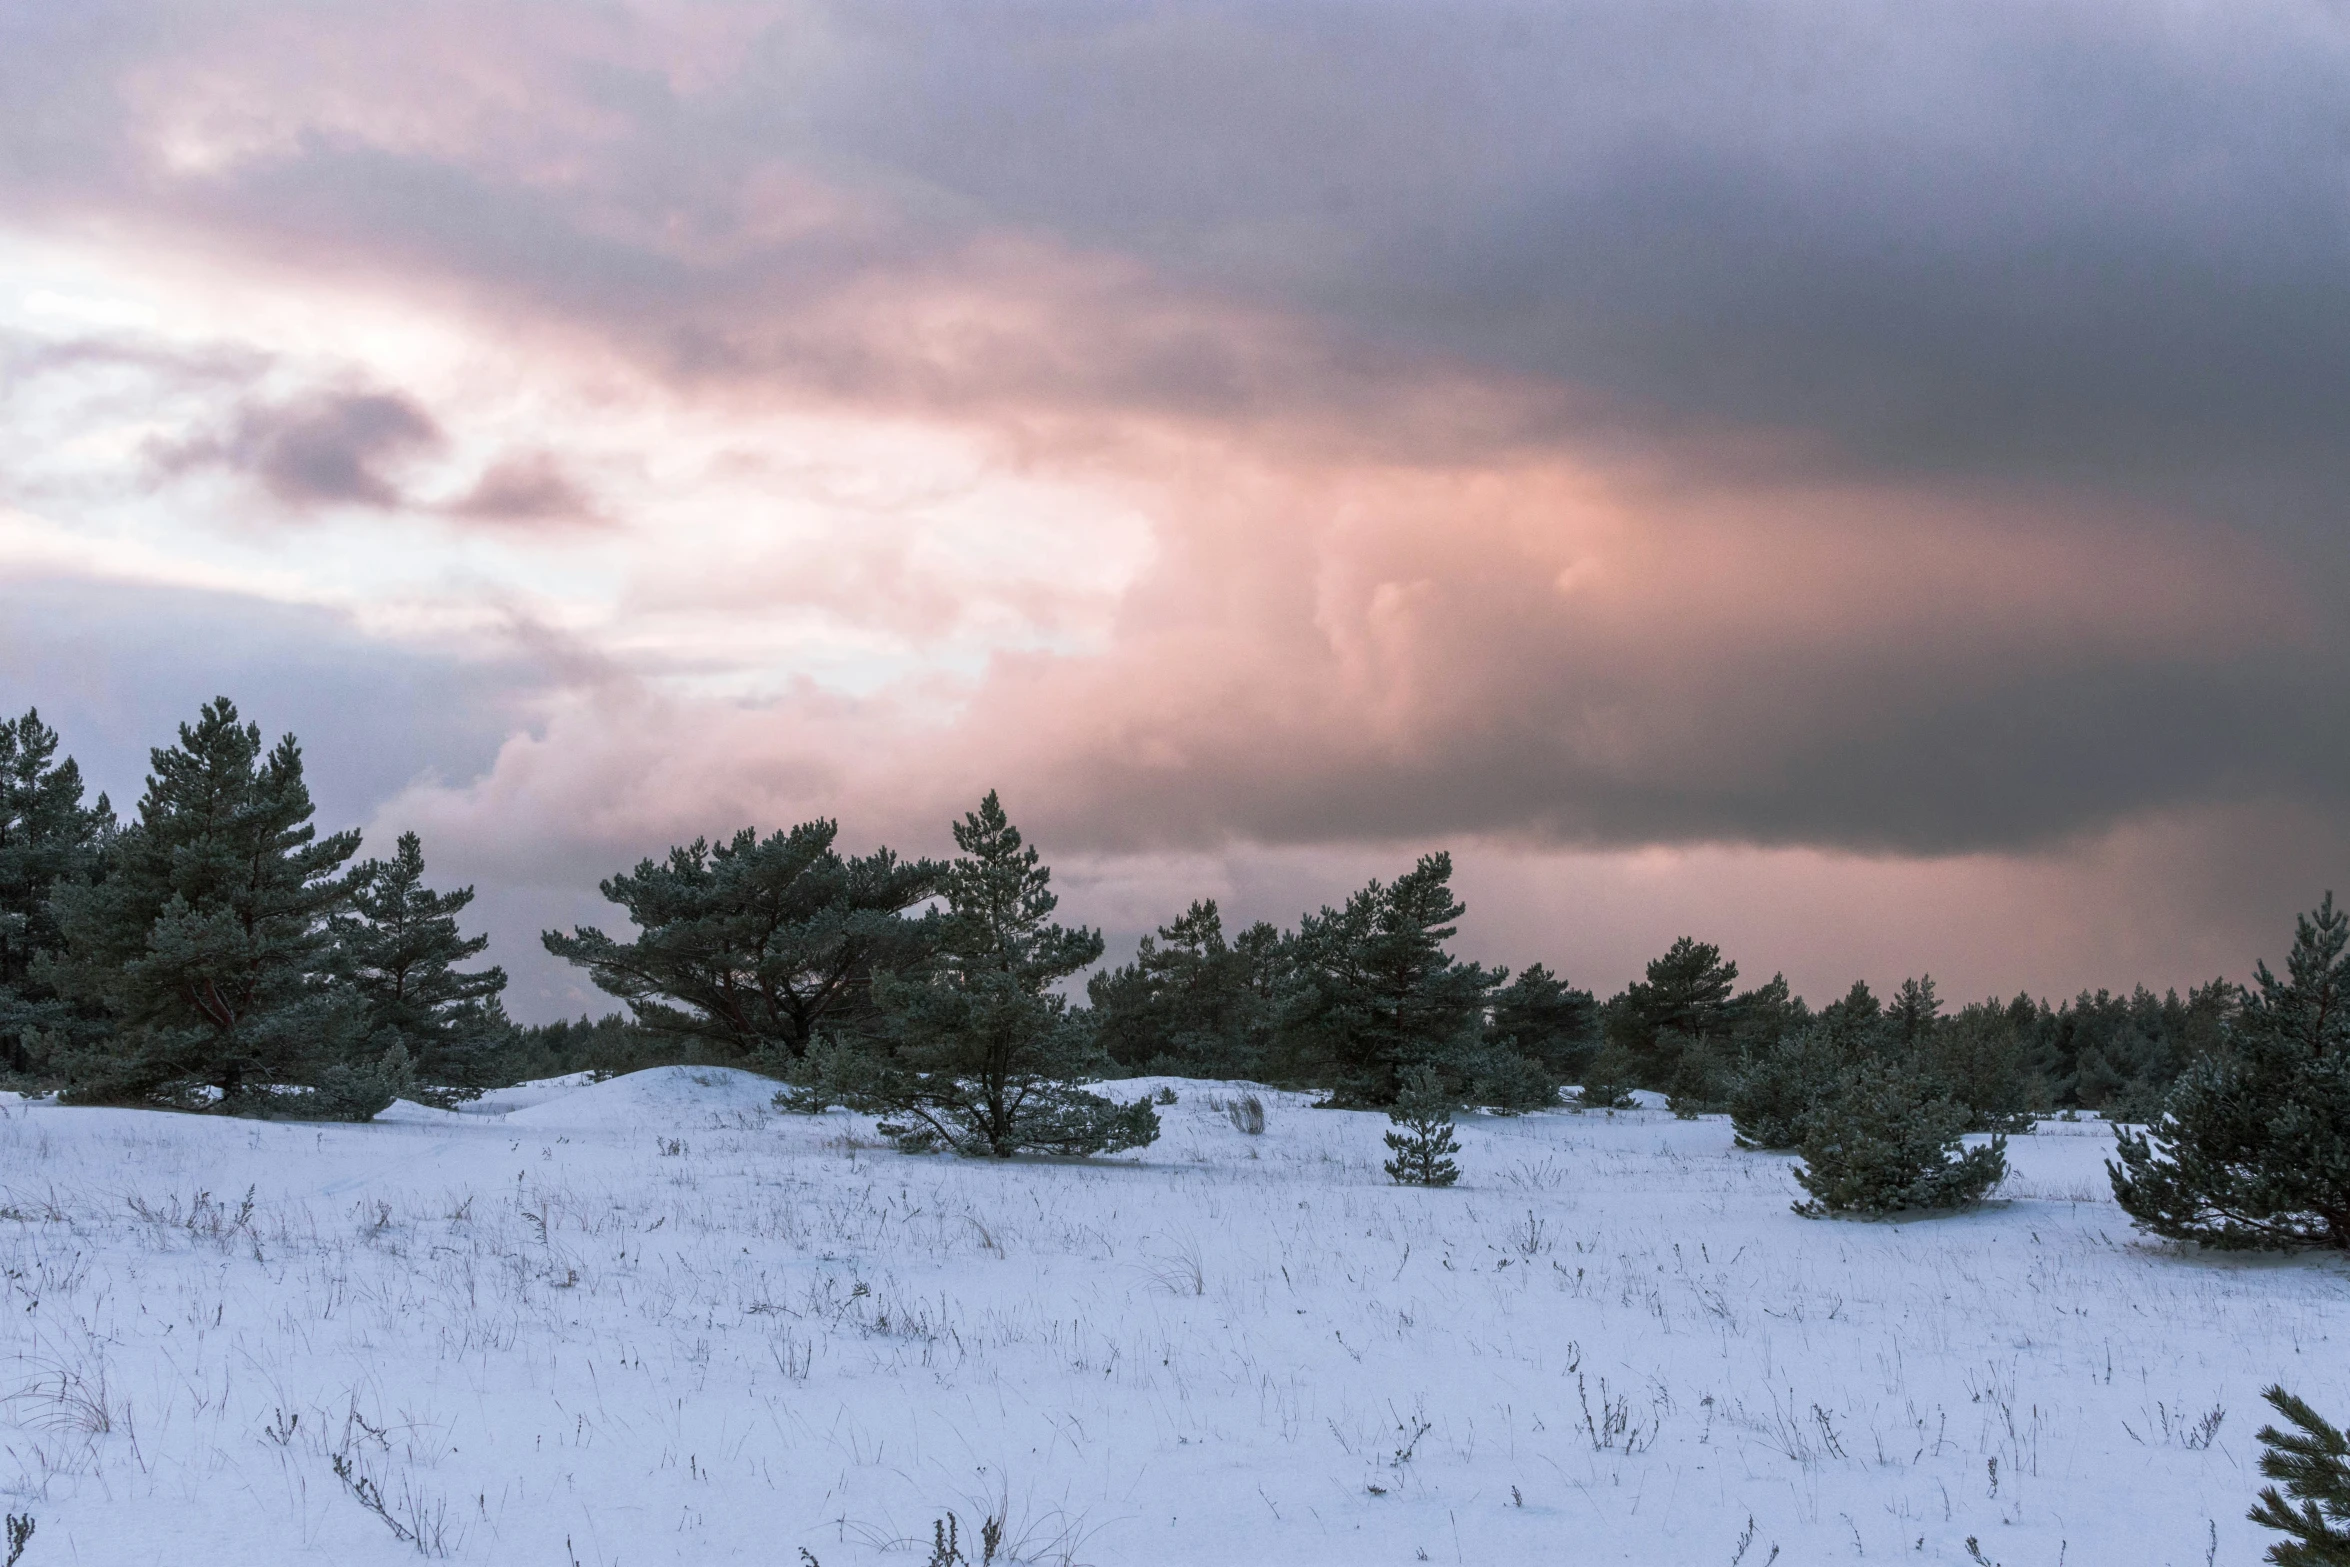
<point x="752" y="948"/>
<point x="1981" y="1059"/>
<point x="1683" y="1007"/>
<point x="1542" y="1019"/>
<point x="982" y="1055"/>
<point x="48" y="839"/>
<point x="1375" y="994"/>
<point x="1912" y="1015"/>
<point x="399" y="948"/>
<point x="2252" y="1148"/>
<point x="207" y="941"/>
<point x="1192" y="1004"/>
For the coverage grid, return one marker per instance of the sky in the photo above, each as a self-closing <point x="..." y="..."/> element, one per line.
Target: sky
<point x="1860" y="485"/>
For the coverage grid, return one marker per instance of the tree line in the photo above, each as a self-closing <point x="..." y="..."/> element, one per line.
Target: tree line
<point x="218" y="943"/>
<point x="217" y="952"/>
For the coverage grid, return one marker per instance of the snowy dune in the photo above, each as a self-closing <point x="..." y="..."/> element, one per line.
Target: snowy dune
<point x="650" y="1321"/>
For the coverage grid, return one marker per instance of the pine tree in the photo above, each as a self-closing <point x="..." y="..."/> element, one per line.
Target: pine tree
<point x="1888" y="1141"/>
<point x="1540" y="1030"/>
<point x="1701" y="1080"/>
<point x="1685" y="1001"/>
<point x="207" y="940"/>
<point x="1375" y="994"/>
<point x="1983" y="1062"/>
<point x="1607" y="1080"/>
<point x="1913" y="1014"/>
<point x="399" y="948"/>
<point x="1781" y="1082"/>
<point x="1193" y="1004"/>
<point x="1728" y="1071"/>
<point x="48" y="839"/>
<point x="753" y="948"/>
<point x="2252" y="1148"/>
<point x="1856" y="1019"/>
<point x="1422" y="1143"/>
<point x="2120" y="1055"/>
<point x="2314" y="1462"/>
<point x="603" y="1048"/>
<point x="1508" y="1083"/>
<point x="981" y="1054"/>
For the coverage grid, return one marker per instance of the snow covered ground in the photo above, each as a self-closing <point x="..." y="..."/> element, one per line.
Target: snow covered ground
<point x="650" y="1321"/>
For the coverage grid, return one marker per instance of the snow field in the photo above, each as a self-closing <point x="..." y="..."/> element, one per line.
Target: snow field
<point x="651" y="1321"/>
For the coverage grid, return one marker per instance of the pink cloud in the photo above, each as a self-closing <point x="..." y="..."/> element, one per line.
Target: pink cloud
<point x="1446" y="539"/>
<point x="528" y="489"/>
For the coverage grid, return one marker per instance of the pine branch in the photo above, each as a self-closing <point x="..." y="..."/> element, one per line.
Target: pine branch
<point x="2314" y="1463"/>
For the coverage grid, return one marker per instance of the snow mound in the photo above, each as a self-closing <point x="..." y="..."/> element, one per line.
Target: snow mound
<point x="409" y="1110"/>
<point x="521" y="1096"/>
<point x="660" y="1094"/>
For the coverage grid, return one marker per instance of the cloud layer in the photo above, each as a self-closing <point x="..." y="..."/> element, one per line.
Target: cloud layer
<point x="1863" y="446"/>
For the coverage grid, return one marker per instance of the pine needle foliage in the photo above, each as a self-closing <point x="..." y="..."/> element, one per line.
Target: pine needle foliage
<point x="48" y="839"/>
<point x="980" y="1053"/>
<point x="1540" y="1033"/>
<point x="1375" y="994"/>
<point x="207" y="941"/>
<point x="1422" y="1142"/>
<point x="2313" y="1461"/>
<point x="2252" y="1149"/>
<point x="1978" y="1055"/>
<point x="1782" y="1081"/>
<point x="751" y="949"/>
<point x="1193" y="1003"/>
<point x="1607" y="1080"/>
<point x="398" y="950"/>
<point x="1686" y="1001"/>
<point x="1889" y="1142"/>
<point x="1508" y="1083"/>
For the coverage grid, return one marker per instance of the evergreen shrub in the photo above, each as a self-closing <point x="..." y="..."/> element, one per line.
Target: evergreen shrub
<point x="1607" y="1081"/>
<point x="2252" y="1149"/>
<point x="1889" y="1141"/>
<point x="1782" y="1082"/>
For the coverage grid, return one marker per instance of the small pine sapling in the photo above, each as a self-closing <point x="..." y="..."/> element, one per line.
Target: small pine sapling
<point x="2314" y="1462"/>
<point x="1423" y="1143"/>
<point x="20" y="1534"/>
<point x="1607" y="1082"/>
<point x="1699" y="1084"/>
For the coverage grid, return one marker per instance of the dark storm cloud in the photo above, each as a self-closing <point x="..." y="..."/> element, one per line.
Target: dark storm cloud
<point x="1815" y="669"/>
<point x="324" y="445"/>
<point x="2077" y="240"/>
<point x="2066" y="237"/>
<point x="323" y="448"/>
<point x="2086" y="268"/>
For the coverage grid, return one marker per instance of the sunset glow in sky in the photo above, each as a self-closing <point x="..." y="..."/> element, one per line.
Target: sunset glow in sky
<point x="1863" y="485"/>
